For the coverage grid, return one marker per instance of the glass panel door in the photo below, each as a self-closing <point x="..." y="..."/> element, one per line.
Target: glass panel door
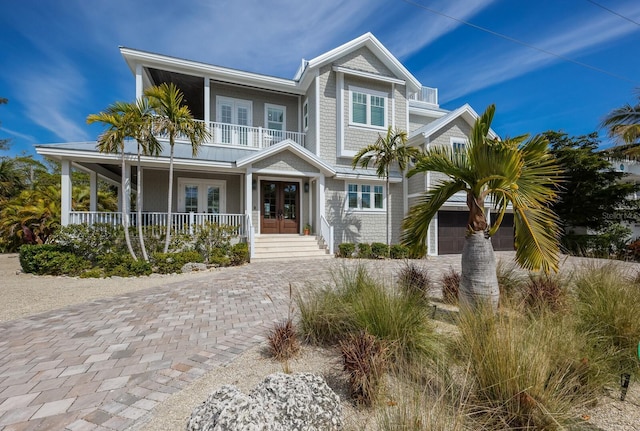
<point x="191" y="198"/>
<point x="213" y="200"/>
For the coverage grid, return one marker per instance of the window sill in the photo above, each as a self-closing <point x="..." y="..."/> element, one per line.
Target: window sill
<point x="367" y="127"/>
<point x="368" y="211"/>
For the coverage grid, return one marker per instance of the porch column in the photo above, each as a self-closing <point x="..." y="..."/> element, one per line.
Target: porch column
<point x="207" y="100"/>
<point x="321" y="210"/>
<point x="248" y="192"/>
<point x="310" y="212"/>
<point x="126" y="193"/>
<point x="139" y="89"/>
<point x="65" y="192"/>
<point x="93" y="191"/>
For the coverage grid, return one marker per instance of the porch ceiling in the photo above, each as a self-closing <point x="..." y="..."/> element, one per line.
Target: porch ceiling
<point x="191" y="86"/>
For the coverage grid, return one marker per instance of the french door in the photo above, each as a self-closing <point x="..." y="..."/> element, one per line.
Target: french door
<point x="236" y="116"/>
<point x="279" y="209"/>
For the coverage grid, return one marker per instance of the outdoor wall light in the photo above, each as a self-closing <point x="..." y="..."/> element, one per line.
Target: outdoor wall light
<point x="306" y="187"/>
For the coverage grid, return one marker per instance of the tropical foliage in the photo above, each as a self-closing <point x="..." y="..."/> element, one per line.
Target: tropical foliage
<point x="385" y="153"/>
<point x="515" y="173"/>
<point x="624" y="124"/>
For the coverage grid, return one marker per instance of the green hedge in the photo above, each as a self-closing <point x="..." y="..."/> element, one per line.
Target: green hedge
<point x="51" y="260"/>
<point x="168" y="263"/>
<point x="376" y="250"/>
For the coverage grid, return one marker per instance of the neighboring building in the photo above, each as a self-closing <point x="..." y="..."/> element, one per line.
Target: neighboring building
<point x="281" y="149"/>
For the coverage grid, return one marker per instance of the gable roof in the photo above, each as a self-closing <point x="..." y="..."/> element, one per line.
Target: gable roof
<point x="369" y="41"/>
<point x="465" y="112"/>
<point x="291" y="146"/>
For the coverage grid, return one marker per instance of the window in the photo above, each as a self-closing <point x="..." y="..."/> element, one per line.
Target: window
<point x="201" y="195"/>
<point x="458" y="144"/>
<point x="365" y="197"/>
<point x="305" y="115"/>
<point x="368" y="107"/>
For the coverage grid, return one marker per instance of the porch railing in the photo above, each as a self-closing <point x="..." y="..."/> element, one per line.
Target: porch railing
<point x="247" y="136"/>
<point x="426" y="94"/>
<point x="326" y="233"/>
<point x="182" y="223"/>
<point x="250" y="235"/>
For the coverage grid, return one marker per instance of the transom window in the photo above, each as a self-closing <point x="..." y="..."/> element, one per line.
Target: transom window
<point x="201" y="195"/>
<point x="367" y="107"/>
<point x="365" y="197"/>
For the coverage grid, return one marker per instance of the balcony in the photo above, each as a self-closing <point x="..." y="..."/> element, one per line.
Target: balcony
<point x="426" y="95"/>
<point x="247" y="136"/>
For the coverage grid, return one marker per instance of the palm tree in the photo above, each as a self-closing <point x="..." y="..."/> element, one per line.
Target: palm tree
<point x="624" y="123"/>
<point x="141" y="116"/>
<point x="119" y="127"/>
<point x="519" y="172"/>
<point x="383" y="154"/>
<point x="174" y="119"/>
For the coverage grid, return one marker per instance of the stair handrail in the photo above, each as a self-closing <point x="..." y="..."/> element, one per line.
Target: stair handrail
<point x="250" y="235"/>
<point x="326" y="233"/>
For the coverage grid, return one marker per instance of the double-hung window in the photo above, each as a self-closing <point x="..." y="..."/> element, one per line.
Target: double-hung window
<point x="365" y="197"/>
<point x="367" y="107"/>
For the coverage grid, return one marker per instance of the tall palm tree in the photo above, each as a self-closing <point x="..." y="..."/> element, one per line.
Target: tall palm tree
<point x="624" y="123"/>
<point x="140" y="116"/>
<point x="383" y="154"/>
<point x="174" y="119"/>
<point x="119" y="127"/>
<point x="519" y="172"/>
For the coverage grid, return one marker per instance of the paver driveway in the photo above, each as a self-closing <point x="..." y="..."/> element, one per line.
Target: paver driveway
<point x="107" y="363"/>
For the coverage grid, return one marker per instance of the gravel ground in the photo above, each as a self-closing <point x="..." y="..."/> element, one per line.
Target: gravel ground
<point x="24" y="295"/>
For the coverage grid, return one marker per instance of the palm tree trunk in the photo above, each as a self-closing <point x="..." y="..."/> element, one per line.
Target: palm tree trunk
<point x="170" y="197"/>
<point x="388" y="205"/>
<point x="125" y="213"/>
<point x="479" y="282"/>
<point x="139" y="209"/>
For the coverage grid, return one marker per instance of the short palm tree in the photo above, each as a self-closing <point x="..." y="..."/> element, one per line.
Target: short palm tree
<point x="515" y="172"/>
<point x="624" y="123"/>
<point x="174" y="119"/>
<point x="119" y="127"/>
<point x="383" y="154"/>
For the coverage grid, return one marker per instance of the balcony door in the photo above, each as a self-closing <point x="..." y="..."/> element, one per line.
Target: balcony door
<point x="279" y="209"/>
<point x="235" y="116"/>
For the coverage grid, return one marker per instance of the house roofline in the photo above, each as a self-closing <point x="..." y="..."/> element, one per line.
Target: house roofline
<point x="287" y="145"/>
<point x="465" y="111"/>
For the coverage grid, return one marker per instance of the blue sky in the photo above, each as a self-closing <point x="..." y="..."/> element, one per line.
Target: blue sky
<point x="60" y="60"/>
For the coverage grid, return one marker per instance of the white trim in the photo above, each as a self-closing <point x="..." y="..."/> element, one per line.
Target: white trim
<point x="65" y="191"/>
<point x="202" y="192"/>
<point x="305" y="127"/>
<point x="366" y="178"/>
<point x="368" y="75"/>
<point x="93" y="189"/>
<point x="318" y="112"/>
<point x="368" y="93"/>
<point x="457" y="140"/>
<point x="139" y="83"/>
<point x="340" y="114"/>
<point x="372" y="185"/>
<point x="393" y="105"/>
<point x="235" y="103"/>
<point x="207" y="101"/>
<point x="296" y="149"/>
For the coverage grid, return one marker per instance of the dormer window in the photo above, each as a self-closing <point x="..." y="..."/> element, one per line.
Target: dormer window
<point x="367" y="108"/>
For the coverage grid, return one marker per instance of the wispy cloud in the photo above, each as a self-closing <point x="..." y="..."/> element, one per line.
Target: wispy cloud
<point x="581" y="36"/>
<point x="16" y="134"/>
<point x="52" y="100"/>
<point x="424" y="27"/>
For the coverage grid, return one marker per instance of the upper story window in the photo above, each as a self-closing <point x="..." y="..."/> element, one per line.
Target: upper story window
<point x="367" y="107"/>
<point x="275" y="117"/>
<point x="458" y="144"/>
<point x="365" y="197"/>
<point x="305" y="115"/>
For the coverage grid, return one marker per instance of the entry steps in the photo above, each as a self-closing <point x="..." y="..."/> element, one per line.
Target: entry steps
<point x="288" y="247"/>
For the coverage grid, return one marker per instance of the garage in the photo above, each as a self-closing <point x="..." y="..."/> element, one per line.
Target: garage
<point x="452" y="227"/>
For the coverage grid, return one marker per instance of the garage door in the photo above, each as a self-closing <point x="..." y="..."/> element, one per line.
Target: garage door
<point x="452" y="227"/>
<point x="503" y="239"/>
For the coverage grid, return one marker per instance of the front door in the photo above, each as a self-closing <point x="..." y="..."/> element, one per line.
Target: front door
<point x="280" y="211"/>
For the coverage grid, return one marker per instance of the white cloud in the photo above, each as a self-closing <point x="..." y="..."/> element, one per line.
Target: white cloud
<point x="582" y="34"/>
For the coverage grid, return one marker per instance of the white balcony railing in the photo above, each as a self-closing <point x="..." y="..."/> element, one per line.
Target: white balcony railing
<point x="426" y="94"/>
<point x="247" y="136"/>
<point x="156" y="222"/>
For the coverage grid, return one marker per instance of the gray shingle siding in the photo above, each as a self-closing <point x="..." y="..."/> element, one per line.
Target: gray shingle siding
<point x="328" y="115"/>
<point x="311" y="131"/>
<point x="285" y="161"/>
<point x="363" y="59"/>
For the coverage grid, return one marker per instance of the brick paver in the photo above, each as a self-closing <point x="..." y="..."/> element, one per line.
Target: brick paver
<point x="105" y="364"/>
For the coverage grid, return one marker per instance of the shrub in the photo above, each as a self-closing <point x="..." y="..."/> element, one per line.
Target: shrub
<point x="364" y="358"/>
<point x="93" y="273"/>
<point x="213" y="240"/>
<point x="544" y="291"/>
<point x="218" y="257"/>
<point x="123" y="265"/>
<point x="91" y="241"/>
<point x="526" y="370"/>
<point x="399" y="251"/>
<point x="450" y="286"/>
<point x="168" y="263"/>
<point x="346" y="249"/>
<point x="633" y="250"/>
<point x="415" y="280"/>
<point x="607" y="309"/>
<point x="379" y="250"/>
<point x="283" y="341"/>
<point x="239" y="254"/>
<point x="364" y="251"/>
<point x="510" y="279"/>
<point x="51" y="260"/>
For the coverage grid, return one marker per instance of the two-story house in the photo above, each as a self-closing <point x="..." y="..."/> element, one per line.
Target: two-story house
<point x="280" y="151"/>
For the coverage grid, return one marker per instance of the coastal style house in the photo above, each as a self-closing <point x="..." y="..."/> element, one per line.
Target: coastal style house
<point x="280" y="151"/>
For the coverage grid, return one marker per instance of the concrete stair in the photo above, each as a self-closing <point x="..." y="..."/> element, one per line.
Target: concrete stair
<point x="288" y="247"/>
